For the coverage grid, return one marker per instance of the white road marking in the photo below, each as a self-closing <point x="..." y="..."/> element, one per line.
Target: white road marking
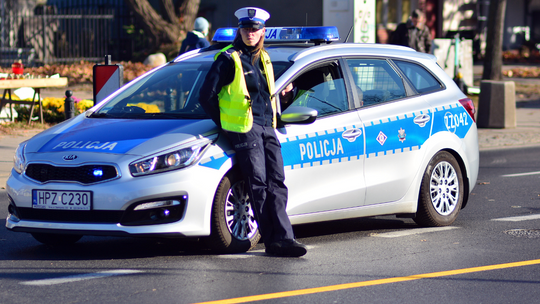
<point x="416" y="231"/>
<point x="518" y="218"/>
<point x="80" y="277"/>
<point x="522" y="174"/>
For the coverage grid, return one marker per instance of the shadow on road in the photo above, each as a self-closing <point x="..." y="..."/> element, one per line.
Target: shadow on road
<point x="22" y="246"/>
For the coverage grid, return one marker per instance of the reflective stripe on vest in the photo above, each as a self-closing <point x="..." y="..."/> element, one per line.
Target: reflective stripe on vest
<point x="198" y="34"/>
<point x="236" y="114"/>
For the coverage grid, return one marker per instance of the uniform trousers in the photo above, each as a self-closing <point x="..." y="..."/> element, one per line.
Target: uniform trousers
<point x="258" y="153"/>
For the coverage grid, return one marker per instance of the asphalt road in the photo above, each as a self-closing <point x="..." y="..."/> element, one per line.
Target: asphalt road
<point x="489" y="255"/>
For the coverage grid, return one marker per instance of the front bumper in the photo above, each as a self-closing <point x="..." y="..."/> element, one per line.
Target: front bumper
<point x="114" y="201"/>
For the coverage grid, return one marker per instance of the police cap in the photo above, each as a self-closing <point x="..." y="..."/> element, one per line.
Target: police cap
<point x="251" y="17"/>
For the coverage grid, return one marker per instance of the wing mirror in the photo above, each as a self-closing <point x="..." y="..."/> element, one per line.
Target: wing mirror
<point x="298" y="115"/>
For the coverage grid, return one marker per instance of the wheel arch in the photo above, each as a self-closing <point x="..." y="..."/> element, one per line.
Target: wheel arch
<point x="464" y="174"/>
<point x="440" y="142"/>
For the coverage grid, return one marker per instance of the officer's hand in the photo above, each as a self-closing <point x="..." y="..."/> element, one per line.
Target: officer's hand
<point x="287" y="89"/>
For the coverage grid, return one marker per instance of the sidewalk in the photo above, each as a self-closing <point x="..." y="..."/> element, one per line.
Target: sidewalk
<point x="80" y="91"/>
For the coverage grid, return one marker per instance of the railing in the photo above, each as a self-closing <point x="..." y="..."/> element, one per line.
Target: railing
<point x="71" y="36"/>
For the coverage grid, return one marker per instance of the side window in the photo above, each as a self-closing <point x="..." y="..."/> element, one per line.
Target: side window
<point x="421" y="79"/>
<point x="376" y="81"/>
<point x="321" y="89"/>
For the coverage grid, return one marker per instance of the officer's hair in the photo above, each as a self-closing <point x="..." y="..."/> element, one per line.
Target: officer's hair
<point x="258" y="48"/>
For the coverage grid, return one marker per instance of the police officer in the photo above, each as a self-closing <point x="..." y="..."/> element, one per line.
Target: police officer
<point x="414" y="33"/>
<point x="238" y="96"/>
<point x="196" y="39"/>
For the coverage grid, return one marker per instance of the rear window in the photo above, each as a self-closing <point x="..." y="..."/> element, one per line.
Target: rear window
<point x="422" y="80"/>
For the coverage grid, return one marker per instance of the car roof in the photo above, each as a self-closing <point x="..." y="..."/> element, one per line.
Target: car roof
<point x="294" y="52"/>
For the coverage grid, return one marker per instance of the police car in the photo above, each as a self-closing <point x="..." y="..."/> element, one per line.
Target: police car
<point x="371" y="130"/>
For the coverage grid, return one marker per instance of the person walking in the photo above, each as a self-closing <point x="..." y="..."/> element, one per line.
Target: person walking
<point x="196" y="39"/>
<point x="238" y="94"/>
<point x="414" y="33"/>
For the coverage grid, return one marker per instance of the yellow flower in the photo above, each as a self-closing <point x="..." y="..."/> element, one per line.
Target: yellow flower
<point x="53" y="103"/>
<point x="84" y="105"/>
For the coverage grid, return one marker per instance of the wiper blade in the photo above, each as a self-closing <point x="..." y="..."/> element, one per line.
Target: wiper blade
<point x="149" y="115"/>
<point x="171" y="116"/>
<point x="99" y="115"/>
<point x="158" y="115"/>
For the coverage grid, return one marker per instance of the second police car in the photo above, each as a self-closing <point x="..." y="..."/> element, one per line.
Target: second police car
<point x="372" y="130"/>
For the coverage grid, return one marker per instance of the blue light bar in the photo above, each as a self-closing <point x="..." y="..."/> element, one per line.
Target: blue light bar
<point x="286" y="34"/>
<point x="224" y="35"/>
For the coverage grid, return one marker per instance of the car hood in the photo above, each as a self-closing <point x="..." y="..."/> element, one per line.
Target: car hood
<point x="119" y="136"/>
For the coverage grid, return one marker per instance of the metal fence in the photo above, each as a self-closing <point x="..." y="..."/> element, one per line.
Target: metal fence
<point x="64" y="35"/>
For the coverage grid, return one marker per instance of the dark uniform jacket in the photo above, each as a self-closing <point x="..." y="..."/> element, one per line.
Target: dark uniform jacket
<point x="407" y="34"/>
<point x="192" y="42"/>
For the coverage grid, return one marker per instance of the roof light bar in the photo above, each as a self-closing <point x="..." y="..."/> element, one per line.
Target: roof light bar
<point x="286" y="34"/>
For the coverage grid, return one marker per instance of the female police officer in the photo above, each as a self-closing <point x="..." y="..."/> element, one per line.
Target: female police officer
<point x="238" y="96"/>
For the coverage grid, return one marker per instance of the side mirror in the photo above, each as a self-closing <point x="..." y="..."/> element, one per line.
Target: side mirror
<point x="298" y="115"/>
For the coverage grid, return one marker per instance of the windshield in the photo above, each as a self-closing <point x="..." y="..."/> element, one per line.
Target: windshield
<point x="170" y="92"/>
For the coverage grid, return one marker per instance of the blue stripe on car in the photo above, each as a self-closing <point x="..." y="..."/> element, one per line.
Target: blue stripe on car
<point x="392" y="135"/>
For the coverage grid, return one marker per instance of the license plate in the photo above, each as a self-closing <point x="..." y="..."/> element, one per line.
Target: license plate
<point x="62" y="200"/>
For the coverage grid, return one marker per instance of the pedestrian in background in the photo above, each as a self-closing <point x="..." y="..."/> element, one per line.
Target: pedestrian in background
<point x="238" y="94"/>
<point x="196" y="39"/>
<point x="414" y="33"/>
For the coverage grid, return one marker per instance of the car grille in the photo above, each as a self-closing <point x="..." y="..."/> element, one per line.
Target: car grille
<point x="87" y="174"/>
<point x="70" y="216"/>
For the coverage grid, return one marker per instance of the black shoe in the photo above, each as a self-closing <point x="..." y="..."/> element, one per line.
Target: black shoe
<point x="286" y="248"/>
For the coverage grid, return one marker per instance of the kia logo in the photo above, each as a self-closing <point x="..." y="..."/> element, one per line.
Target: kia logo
<point x="69" y="157"/>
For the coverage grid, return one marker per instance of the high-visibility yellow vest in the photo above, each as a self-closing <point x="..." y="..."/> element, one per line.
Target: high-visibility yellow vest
<point x="236" y="114"/>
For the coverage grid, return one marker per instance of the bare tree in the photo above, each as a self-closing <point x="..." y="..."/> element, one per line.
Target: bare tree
<point x="494" y="39"/>
<point x="168" y="27"/>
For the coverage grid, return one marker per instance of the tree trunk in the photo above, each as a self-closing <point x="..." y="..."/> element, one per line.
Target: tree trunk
<point x="494" y="39"/>
<point x="168" y="28"/>
<point x="188" y="14"/>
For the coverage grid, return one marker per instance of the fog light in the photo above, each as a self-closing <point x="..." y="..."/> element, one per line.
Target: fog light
<point x="13" y="215"/>
<point x="167" y="210"/>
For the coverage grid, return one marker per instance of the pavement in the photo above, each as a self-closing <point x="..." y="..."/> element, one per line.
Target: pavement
<point x="525" y="134"/>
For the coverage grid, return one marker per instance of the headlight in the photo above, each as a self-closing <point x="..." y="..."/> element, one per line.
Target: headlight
<point x="169" y="161"/>
<point x="18" y="158"/>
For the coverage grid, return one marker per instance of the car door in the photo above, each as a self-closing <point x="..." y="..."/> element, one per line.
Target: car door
<point x="397" y="122"/>
<point x="323" y="160"/>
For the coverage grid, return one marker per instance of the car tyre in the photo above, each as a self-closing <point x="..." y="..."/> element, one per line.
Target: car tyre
<point x="234" y="228"/>
<point x="441" y="192"/>
<point x="54" y="239"/>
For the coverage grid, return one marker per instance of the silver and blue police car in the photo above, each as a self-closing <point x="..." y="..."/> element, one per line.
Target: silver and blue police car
<point x="371" y="130"/>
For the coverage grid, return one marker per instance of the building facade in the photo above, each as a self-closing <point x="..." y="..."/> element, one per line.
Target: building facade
<point x="445" y="18"/>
